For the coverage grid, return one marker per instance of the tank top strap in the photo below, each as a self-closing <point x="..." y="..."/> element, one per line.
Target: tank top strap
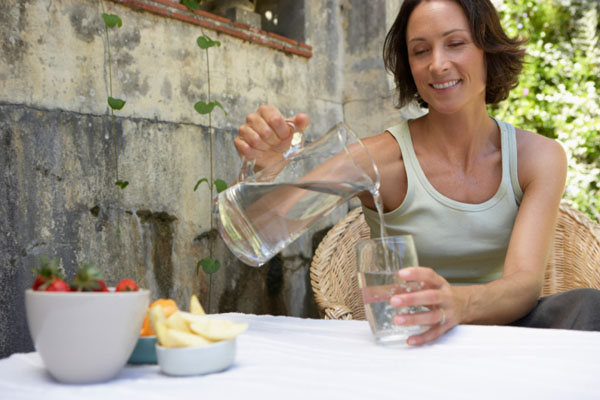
<point x="509" y="160"/>
<point x="402" y="135"/>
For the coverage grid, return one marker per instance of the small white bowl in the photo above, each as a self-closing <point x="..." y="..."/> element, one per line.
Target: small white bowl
<point x="198" y="360"/>
<point x="85" y="337"/>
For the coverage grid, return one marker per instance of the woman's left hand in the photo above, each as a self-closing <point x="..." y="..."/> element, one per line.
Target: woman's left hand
<point x="445" y="308"/>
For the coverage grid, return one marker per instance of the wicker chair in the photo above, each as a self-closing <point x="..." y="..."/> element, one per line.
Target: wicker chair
<point x="574" y="263"/>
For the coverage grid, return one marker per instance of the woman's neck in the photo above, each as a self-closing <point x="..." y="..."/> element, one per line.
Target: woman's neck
<point x="460" y="137"/>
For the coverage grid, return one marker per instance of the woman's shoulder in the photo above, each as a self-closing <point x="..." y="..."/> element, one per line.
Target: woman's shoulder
<point x="384" y="145"/>
<point x="531" y="143"/>
<point x="538" y="156"/>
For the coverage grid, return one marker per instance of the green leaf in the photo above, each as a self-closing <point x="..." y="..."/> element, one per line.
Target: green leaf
<point x="111" y="20"/>
<point x="216" y="103"/>
<point x="209" y="266"/>
<point x="115" y="104"/>
<point x="206" y="108"/>
<point x="199" y="182"/>
<point x="220" y="184"/>
<point x="122" y="184"/>
<point x="191" y="4"/>
<point x="204" y="42"/>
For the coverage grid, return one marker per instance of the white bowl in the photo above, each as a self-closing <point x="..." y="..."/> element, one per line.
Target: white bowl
<point x="198" y="360"/>
<point x="85" y="337"/>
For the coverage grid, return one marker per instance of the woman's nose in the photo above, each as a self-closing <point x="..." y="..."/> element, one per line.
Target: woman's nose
<point x="439" y="61"/>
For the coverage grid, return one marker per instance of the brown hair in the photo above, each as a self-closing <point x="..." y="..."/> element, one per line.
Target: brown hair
<point x="503" y="55"/>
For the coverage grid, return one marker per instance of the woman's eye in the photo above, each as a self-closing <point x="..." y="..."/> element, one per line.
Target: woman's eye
<point x="456" y="44"/>
<point x="419" y="51"/>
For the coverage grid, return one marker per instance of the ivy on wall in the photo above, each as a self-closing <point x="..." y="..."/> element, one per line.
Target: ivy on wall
<point x="204" y="42"/>
<point x="113" y="21"/>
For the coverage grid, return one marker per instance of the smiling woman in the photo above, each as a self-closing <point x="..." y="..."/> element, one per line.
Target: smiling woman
<point x="503" y="55"/>
<point x="479" y="196"/>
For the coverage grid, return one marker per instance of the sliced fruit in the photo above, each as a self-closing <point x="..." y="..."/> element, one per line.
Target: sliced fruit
<point x="176" y="321"/>
<point x="161" y="333"/>
<point x="189" y="317"/>
<point x="147" y="328"/>
<point x="195" y="306"/>
<point x="168" y="306"/>
<point x="157" y="317"/>
<point x="217" y="329"/>
<point x="175" y="338"/>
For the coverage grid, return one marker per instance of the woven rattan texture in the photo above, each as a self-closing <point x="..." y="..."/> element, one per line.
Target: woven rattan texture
<point x="333" y="270"/>
<point x="575" y="259"/>
<point x="574" y="262"/>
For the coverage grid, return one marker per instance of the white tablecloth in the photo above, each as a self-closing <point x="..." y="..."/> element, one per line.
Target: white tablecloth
<point x="293" y="358"/>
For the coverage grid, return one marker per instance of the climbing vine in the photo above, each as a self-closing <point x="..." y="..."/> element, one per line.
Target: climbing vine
<point x="112" y="21"/>
<point x="208" y="265"/>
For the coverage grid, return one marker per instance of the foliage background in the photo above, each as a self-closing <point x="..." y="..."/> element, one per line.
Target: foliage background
<point x="558" y="93"/>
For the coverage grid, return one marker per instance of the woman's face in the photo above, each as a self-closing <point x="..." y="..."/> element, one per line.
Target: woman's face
<point x="447" y="67"/>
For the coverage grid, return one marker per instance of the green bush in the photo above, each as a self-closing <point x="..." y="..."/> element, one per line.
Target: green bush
<point x="558" y="94"/>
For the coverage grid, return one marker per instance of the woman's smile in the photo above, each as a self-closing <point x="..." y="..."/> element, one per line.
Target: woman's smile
<point x="446" y="85"/>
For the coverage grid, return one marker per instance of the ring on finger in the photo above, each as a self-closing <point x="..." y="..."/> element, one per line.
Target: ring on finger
<point x="443" y="319"/>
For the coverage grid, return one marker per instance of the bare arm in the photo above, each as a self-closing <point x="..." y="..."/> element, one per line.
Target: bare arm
<point x="542" y="175"/>
<point x="542" y="171"/>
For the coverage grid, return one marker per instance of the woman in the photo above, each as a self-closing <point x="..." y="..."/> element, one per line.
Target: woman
<point x="480" y="197"/>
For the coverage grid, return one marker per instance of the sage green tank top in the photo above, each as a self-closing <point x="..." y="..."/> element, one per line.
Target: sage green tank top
<point x="465" y="243"/>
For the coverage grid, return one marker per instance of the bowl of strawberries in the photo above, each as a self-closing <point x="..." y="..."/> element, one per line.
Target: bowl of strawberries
<point x="83" y="330"/>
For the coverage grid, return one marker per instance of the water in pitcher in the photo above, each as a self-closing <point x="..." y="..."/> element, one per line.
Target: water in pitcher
<point x="257" y="220"/>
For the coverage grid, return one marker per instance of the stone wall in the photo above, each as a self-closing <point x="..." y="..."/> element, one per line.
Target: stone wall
<point x="57" y="148"/>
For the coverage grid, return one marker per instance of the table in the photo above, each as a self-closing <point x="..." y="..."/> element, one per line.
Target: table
<point x="294" y="358"/>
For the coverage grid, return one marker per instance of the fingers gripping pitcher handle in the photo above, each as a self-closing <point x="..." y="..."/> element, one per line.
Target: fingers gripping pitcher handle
<point x="296" y="144"/>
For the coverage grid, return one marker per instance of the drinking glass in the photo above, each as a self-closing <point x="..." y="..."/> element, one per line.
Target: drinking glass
<point x="379" y="261"/>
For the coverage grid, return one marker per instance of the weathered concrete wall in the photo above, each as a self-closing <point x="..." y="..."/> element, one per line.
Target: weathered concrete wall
<point x="57" y="155"/>
<point x="365" y="89"/>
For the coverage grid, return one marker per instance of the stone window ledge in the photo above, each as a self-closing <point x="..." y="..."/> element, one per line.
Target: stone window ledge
<point x="173" y="9"/>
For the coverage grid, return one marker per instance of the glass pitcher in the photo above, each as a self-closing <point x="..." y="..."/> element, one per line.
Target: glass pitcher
<point x="267" y="210"/>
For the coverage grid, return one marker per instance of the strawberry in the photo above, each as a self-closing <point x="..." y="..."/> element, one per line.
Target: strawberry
<point x="102" y="286"/>
<point x="127" y="285"/>
<point x="47" y="272"/>
<point x="88" y="279"/>
<point x="55" y="285"/>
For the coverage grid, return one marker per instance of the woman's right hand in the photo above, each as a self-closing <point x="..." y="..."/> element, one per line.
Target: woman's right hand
<point x="446" y="306"/>
<point x="266" y="135"/>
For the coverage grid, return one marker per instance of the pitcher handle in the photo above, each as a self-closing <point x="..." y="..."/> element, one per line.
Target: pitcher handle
<point x="247" y="168"/>
<point x="297" y="142"/>
<point x="296" y="145"/>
